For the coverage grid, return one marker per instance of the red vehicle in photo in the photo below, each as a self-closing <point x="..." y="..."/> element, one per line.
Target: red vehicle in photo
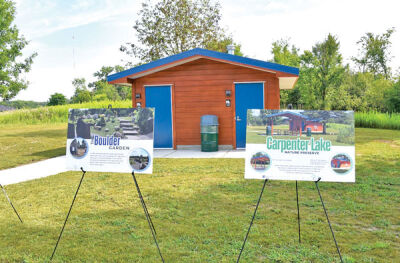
<point x="340" y="162"/>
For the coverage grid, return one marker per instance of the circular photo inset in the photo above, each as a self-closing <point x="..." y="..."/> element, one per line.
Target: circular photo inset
<point x="139" y="159"/>
<point x="260" y="161"/>
<point x="78" y="147"/>
<point x="341" y="163"/>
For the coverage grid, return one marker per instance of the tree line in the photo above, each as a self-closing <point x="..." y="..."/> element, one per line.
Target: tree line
<point x="169" y="27"/>
<point x="325" y="82"/>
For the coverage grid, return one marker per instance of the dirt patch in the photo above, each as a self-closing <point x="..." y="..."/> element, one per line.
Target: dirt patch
<point x="392" y="144"/>
<point x="384" y="141"/>
<point x="372" y="229"/>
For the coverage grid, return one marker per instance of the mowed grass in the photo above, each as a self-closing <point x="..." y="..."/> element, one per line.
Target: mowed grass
<point x="22" y="144"/>
<point x="201" y="209"/>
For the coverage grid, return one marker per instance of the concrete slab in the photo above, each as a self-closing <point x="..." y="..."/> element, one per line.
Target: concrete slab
<point x="58" y="165"/>
<point x="194" y="153"/>
<point x="33" y="171"/>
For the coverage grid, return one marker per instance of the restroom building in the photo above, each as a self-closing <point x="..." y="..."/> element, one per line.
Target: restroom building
<point x="185" y="86"/>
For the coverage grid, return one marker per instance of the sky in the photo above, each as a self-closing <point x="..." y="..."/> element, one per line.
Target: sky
<point x="75" y="38"/>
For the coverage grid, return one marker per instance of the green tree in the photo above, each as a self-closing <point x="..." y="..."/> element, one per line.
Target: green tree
<point x="375" y="54"/>
<point x="57" y="99"/>
<point x="11" y="46"/>
<point x="285" y="54"/>
<point x="105" y="90"/>
<point x="392" y="97"/>
<point x="172" y="26"/>
<point x="102" y="90"/>
<point x="104" y="71"/>
<point x="221" y="45"/>
<point x="375" y="94"/>
<point x="351" y="93"/>
<point x="82" y="94"/>
<point x="325" y="71"/>
<point x="124" y="92"/>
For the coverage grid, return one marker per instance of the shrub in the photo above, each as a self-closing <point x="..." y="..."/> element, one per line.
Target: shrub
<point x="379" y="120"/>
<point x="57" y="99"/>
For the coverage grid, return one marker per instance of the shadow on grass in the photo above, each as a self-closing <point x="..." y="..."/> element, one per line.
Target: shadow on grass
<point x="49" y="153"/>
<point x="367" y="135"/>
<point x="45" y="133"/>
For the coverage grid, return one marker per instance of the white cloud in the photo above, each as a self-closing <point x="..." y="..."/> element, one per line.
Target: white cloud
<point x="306" y="22"/>
<point x="101" y="26"/>
<point x="38" y="18"/>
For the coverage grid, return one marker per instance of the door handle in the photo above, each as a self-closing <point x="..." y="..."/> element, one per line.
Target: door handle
<point x="238" y="118"/>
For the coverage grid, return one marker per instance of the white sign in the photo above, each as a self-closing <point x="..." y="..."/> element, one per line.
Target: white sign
<point x="300" y="145"/>
<point x="110" y="140"/>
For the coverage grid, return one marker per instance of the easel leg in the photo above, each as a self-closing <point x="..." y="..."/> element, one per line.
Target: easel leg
<point x="66" y="219"/>
<point x="251" y="223"/>
<point x="326" y="214"/>
<point x="15" y="210"/>
<point x="146" y="212"/>
<point x="298" y="211"/>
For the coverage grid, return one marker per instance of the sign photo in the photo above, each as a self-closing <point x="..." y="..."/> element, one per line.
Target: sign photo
<point x="110" y="140"/>
<point x="300" y="145"/>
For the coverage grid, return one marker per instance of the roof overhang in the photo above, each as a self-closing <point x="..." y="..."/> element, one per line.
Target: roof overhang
<point x="287" y="82"/>
<point x="287" y="75"/>
<point x="164" y="67"/>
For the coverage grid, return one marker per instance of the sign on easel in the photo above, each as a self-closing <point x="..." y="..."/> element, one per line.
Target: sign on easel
<point x="110" y="140"/>
<point x="300" y="145"/>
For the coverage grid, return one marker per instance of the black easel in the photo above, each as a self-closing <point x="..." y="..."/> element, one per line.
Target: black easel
<point x="9" y="201"/>
<point x="146" y="212"/>
<point x="298" y="211"/>
<point x="251" y="223"/>
<point x="153" y="230"/>
<point x="66" y="219"/>
<point x="327" y="218"/>
<point x="298" y="218"/>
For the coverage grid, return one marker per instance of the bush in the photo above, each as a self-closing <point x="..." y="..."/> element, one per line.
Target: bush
<point x="393" y="98"/>
<point x="23" y="104"/>
<point x="379" y="120"/>
<point x="57" y="99"/>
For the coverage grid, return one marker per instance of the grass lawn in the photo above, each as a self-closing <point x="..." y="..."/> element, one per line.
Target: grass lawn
<point x="22" y="144"/>
<point x="201" y="209"/>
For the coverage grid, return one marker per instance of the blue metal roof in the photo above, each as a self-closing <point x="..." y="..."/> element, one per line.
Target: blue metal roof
<point x="206" y="53"/>
<point x="281" y="113"/>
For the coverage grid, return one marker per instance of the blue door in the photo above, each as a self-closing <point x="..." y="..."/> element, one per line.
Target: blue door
<point x="159" y="97"/>
<point x="247" y="96"/>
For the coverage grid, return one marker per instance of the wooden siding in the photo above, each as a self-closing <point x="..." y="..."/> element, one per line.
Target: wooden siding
<point x="315" y="126"/>
<point x="198" y="88"/>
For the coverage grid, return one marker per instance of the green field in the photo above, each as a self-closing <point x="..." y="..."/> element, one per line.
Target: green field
<point x="22" y="144"/>
<point x="201" y="209"/>
<point x="54" y="114"/>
